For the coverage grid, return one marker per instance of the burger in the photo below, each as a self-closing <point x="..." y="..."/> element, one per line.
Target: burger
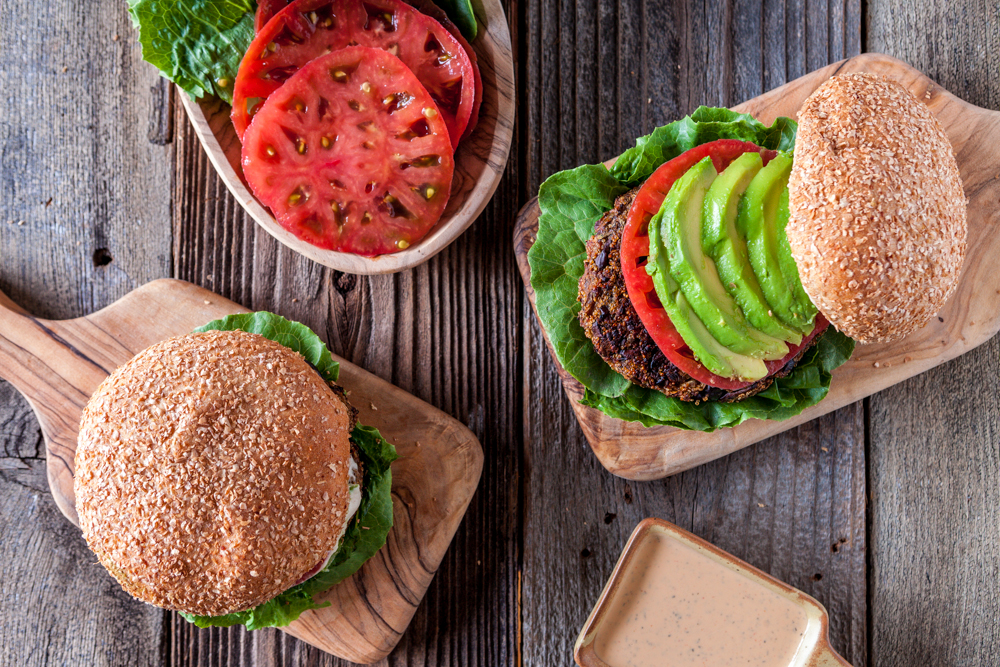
<point x="722" y="269"/>
<point x="223" y="474"/>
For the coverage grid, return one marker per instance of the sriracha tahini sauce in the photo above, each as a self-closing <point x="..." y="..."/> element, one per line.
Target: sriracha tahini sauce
<point x="677" y="606"/>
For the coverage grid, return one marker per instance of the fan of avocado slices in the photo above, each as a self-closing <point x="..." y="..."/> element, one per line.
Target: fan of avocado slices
<point x="571" y="202"/>
<point x="367" y="531"/>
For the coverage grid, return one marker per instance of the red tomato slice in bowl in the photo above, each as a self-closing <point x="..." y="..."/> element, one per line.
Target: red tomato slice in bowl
<point x="266" y="9"/>
<point x="635" y="250"/>
<point x="351" y="154"/>
<point x="307" y="29"/>
<point x="428" y="7"/>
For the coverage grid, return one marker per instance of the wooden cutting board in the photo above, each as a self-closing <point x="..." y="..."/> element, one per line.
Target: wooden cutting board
<point x="57" y="365"/>
<point x="970" y="318"/>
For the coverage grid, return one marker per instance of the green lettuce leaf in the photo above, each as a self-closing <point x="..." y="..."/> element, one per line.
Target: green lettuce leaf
<point x="195" y="43"/>
<point x="572" y="201"/>
<point x="367" y="531"/>
<point x="294" y="335"/>
<point x="706" y="124"/>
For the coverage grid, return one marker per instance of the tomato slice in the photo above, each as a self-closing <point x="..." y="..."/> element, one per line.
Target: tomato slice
<point x="635" y="250"/>
<point x="351" y="154"/>
<point x="431" y="9"/>
<point x="307" y="29"/>
<point x="266" y="9"/>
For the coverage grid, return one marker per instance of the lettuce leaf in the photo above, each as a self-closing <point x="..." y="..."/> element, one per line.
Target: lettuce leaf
<point x="572" y="201"/>
<point x="367" y="531"/>
<point x="195" y="43"/>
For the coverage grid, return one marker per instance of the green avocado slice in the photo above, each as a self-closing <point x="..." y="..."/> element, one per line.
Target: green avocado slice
<point x="789" y="269"/>
<point x="696" y="274"/>
<point x="756" y="221"/>
<point x="721" y="241"/>
<point x="714" y="356"/>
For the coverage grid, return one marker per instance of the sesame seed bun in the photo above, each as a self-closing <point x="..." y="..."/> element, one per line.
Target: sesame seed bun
<point x="211" y="471"/>
<point x="877" y="225"/>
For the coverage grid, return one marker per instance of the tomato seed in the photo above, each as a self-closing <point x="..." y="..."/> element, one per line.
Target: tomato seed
<point x="325" y="142"/>
<point x="427" y="161"/>
<point x="366" y="218"/>
<point x="429" y="192"/>
<point x="394" y="49"/>
<point x="313" y="18"/>
<point x="429" y="112"/>
<point x="270" y="151"/>
<point x="354" y="105"/>
<point x="223" y="82"/>
<point x="369" y="186"/>
<point x="300" y="146"/>
<point x="402" y="244"/>
<point x="337" y="184"/>
<point x="395" y="207"/>
<point x="339" y="75"/>
<point x="366" y="87"/>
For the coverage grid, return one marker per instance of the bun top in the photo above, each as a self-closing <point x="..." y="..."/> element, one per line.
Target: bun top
<point x="877" y="225"/>
<point x="211" y="472"/>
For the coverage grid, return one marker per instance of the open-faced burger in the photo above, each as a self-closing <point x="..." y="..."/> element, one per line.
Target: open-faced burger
<point x="719" y="256"/>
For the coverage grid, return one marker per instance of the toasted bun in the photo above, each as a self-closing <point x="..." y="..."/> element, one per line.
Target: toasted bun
<point x="211" y="472"/>
<point x="877" y="223"/>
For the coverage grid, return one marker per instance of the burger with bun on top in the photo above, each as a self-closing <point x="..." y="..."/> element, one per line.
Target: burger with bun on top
<point x="223" y="474"/>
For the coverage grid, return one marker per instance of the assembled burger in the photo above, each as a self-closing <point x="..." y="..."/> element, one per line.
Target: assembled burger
<point x="694" y="282"/>
<point x="223" y="474"/>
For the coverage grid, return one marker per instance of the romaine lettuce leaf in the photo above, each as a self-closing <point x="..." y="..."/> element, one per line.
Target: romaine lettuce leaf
<point x="367" y="531"/>
<point x="572" y="201"/>
<point x="195" y="43"/>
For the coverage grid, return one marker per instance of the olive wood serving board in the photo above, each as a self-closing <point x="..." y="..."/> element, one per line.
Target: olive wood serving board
<point x="479" y="161"/>
<point x="970" y="318"/>
<point x="57" y="365"/>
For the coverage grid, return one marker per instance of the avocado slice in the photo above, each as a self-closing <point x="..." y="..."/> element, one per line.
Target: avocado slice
<point x="695" y="272"/>
<point x="714" y="356"/>
<point x="789" y="269"/>
<point x="756" y="221"/>
<point x="721" y="241"/>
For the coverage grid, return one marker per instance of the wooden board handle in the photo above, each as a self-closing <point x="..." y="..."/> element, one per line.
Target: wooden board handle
<point x="56" y="377"/>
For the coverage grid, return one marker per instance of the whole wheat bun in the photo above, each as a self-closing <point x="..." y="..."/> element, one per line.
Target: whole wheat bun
<point x="877" y="212"/>
<point x="211" y="472"/>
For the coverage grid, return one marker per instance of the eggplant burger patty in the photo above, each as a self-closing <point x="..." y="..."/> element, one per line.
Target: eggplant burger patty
<point x="610" y="321"/>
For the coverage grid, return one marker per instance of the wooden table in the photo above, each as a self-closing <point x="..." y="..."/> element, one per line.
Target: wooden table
<point x="887" y="511"/>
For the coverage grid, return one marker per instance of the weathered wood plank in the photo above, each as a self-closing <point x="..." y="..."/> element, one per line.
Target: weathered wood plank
<point x="84" y="217"/>
<point x="794" y="505"/>
<point x="935" y="446"/>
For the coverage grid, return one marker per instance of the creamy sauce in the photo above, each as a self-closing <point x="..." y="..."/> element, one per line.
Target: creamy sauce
<point x="676" y="606"/>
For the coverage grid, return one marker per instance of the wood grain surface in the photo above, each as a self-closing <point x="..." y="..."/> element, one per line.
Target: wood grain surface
<point x="548" y="522"/>
<point x="480" y="158"/>
<point x="935" y="440"/>
<point x="970" y="318"/>
<point x="57" y="365"/>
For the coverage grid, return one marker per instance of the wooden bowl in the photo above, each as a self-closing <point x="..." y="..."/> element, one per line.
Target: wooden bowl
<point x="814" y="649"/>
<point x="479" y="161"/>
